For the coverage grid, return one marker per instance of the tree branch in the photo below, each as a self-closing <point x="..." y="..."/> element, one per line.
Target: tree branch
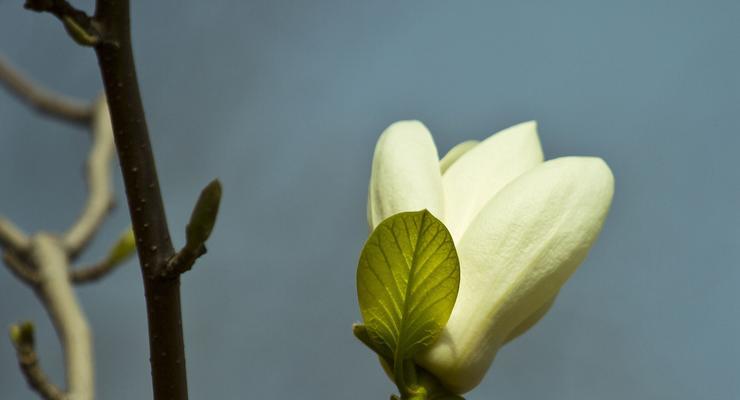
<point x="11" y="237"/>
<point x="44" y="101"/>
<point x="109" y="32"/>
<point x="115" y="58"/>
<point x="42" y="262"/>
<point x="92" y="273"/>
<point x="57" y="294"/>
<point x="20" y="269"/>
<point x="78" y="25"/>
<point x="22" y="337"/>
<point x="183" y="260"/>
<point x="14" y="243"/>
<point x="99" y="182"/>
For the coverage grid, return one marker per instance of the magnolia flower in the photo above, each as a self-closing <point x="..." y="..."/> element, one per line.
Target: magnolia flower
<point x="521" y="227"/>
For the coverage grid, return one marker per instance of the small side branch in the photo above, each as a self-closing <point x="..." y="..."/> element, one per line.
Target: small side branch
<point x="122" y="250"/>
<point x="11" y="237"/>
<point x="14" y="243"/>
<point x="20" y="269"/>
<point x="77" y="24"/>
<point x="92" y="272"/>
<point x="22" y="337"/>
<point x="183" y="261"/>
<point x="43" y="100"/>
<point x="197" y="232"/>
<point x="99" y="182"/>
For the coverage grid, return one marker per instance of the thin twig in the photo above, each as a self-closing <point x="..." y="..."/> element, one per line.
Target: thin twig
<point x="12" y="237"/>
<point x="34" y="374"/>
<point x="92" y="272"/>
<point x="99" y="182"/>
<point x="20" y="269"/>
<point x="41" y="99"/>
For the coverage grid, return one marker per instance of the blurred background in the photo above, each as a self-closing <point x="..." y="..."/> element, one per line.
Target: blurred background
<point x="284" y="100"/>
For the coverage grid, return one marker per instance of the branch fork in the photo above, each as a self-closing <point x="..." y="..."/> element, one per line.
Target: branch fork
<point x="108" y="32"/>
<point x="43" y="262"/>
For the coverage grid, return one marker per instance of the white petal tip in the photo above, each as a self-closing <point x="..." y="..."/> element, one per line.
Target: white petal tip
<point x="406" y="127"/>
<point x="593" y="169"/>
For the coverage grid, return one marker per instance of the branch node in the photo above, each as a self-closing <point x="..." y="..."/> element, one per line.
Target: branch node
<point x="78" y="25"/>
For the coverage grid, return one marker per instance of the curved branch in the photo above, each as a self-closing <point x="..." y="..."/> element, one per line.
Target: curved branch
<point x="35" y="376"/>
<point x="92" y="272"/>
<point x="43" y="100"/>
<point x="57" y="294"/>
<point x="23" y="340"/>
<point x="99" y="182"/>
<point x="20" y="269"/>
<point x="11" y="237"/>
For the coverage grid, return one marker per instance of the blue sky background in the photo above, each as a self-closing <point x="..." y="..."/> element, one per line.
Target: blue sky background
<point x="284" y="100"/>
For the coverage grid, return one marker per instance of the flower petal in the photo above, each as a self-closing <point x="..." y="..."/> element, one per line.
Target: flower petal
<point x="471" y="181"/>
<point x="514" y="257"/>
<point x="405" y="174"/>
<point x="529" y="322"/>
<point x="455" y="153"/>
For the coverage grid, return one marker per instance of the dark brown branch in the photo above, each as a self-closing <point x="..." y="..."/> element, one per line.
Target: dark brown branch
<point x="115" y="57"/>
<point x="23" y="340"/>
<point x="99" y="182"/>
<point x="78" y="25"/>
<point x="41" y="99"/>
<point x="183" y="261"/>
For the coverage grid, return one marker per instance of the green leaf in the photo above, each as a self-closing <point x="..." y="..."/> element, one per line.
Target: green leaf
<point x="407" y="283"/>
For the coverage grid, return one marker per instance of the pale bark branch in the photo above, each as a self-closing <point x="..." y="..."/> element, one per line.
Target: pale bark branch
<point x="92" y="272"/>
<point x="28" y="362"/>
<point x="42" y="261"/>
<point x="11" y="237"/>
<point x="99" y="182"/>
<point x="19" y="268"/>
<point x="57" y="294"/>
<point x="41" y="99"/>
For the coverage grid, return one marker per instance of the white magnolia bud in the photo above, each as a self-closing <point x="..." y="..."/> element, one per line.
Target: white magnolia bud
<point x="521" y="227"/>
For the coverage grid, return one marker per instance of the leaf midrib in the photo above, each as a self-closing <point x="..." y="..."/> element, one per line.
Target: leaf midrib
<point x="409" y="288"/>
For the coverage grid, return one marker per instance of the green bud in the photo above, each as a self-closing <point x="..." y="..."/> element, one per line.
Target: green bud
<point x="204" y="215"/>
<point x="22" y="335"/>
<point x="124" y="248"/>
